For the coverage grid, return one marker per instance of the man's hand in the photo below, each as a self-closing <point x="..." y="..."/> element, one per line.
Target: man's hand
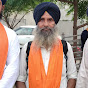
<point x="20" y="84"/>
<point x="71" y="83"/>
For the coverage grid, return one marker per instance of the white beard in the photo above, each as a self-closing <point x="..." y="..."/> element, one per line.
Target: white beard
<point x="46" y="38"/>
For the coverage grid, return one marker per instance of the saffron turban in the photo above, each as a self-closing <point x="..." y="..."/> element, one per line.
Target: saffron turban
<point x="3" y="2"/>
<point x="50" y="7"/>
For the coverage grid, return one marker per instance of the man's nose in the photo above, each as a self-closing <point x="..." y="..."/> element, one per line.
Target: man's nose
<point x="46" y="23"/>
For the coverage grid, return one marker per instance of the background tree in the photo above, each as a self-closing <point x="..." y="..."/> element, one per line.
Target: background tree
<point x="79" y="8"/>
<point x="17" y="7"/>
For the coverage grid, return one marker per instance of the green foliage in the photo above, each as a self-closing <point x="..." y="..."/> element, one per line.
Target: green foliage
<point x="71" y="9"/>
<point x="18" y="6"/>
<point x="82" y="7"/>
<point x="22" y="5"/>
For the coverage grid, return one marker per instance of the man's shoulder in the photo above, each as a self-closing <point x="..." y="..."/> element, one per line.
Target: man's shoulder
<point x="9" y="31"/>
<point x="86" y="43"/>
<point x="84" y="32"/>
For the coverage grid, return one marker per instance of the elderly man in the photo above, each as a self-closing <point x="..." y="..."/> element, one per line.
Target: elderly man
<point x="46" y="62"/>
<point x="9" y="54"/>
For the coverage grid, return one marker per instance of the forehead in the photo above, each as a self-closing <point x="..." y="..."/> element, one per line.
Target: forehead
<point x="46" y="15"/>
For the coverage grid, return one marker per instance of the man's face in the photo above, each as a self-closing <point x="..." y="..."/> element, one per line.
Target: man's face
<point x="46" y="21"/>
<point x="46" y="32"/>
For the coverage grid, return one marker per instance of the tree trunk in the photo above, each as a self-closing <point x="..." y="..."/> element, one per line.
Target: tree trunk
<point x="75" y="27"/>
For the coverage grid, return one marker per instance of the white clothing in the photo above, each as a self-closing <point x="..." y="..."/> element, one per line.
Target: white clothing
<point x="82" y="80"/>
<point x="71" y="67"/>
<point x="11" y="69"/>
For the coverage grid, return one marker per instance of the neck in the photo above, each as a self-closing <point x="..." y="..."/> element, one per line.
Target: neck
<point x="46" y="48"/>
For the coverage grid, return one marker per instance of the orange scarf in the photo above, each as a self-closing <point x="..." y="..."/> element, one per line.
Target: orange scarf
<point x="3" y="49"/>
<point x="37" y="75"/>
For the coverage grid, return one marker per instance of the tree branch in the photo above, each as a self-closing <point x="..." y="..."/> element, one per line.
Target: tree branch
<point x="14" y="19"/>
<point x="69" y="2"/>
<point x="19" y="20"/>
<point x="82" y="25"/>
<point x="6" y="20"/>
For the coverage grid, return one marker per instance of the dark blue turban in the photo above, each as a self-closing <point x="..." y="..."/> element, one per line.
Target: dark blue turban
<point x="51" y="8"/>
<point x="3" y="2"/>
<point x="87" y="11"/>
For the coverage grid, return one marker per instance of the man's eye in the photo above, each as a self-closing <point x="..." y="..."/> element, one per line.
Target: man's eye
<point x="51" y="20"/>
<point x="41" y="20"/>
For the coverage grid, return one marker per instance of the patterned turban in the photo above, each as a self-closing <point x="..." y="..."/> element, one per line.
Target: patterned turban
<point x="50" y="7"/>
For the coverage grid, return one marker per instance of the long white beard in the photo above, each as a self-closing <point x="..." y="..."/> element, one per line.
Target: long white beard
<point x="46" y="38"/>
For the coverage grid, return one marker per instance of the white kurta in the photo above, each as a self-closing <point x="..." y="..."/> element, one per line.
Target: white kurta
<point x="11" y="69"/>
<point x="82" y="80"/>
<point x="71" y="67"/>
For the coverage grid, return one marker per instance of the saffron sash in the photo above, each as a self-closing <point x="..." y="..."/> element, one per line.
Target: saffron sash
<point x="37" y="75"/>
<point x="3" y="49"/>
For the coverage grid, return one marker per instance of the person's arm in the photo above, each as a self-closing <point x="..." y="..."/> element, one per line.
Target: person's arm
<point x="71" y="68"/>
<point x="71" y="83"/>
<point x="23" y="69"/>
<point x="20" y="84"/>
<point x="11" y="69"/>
